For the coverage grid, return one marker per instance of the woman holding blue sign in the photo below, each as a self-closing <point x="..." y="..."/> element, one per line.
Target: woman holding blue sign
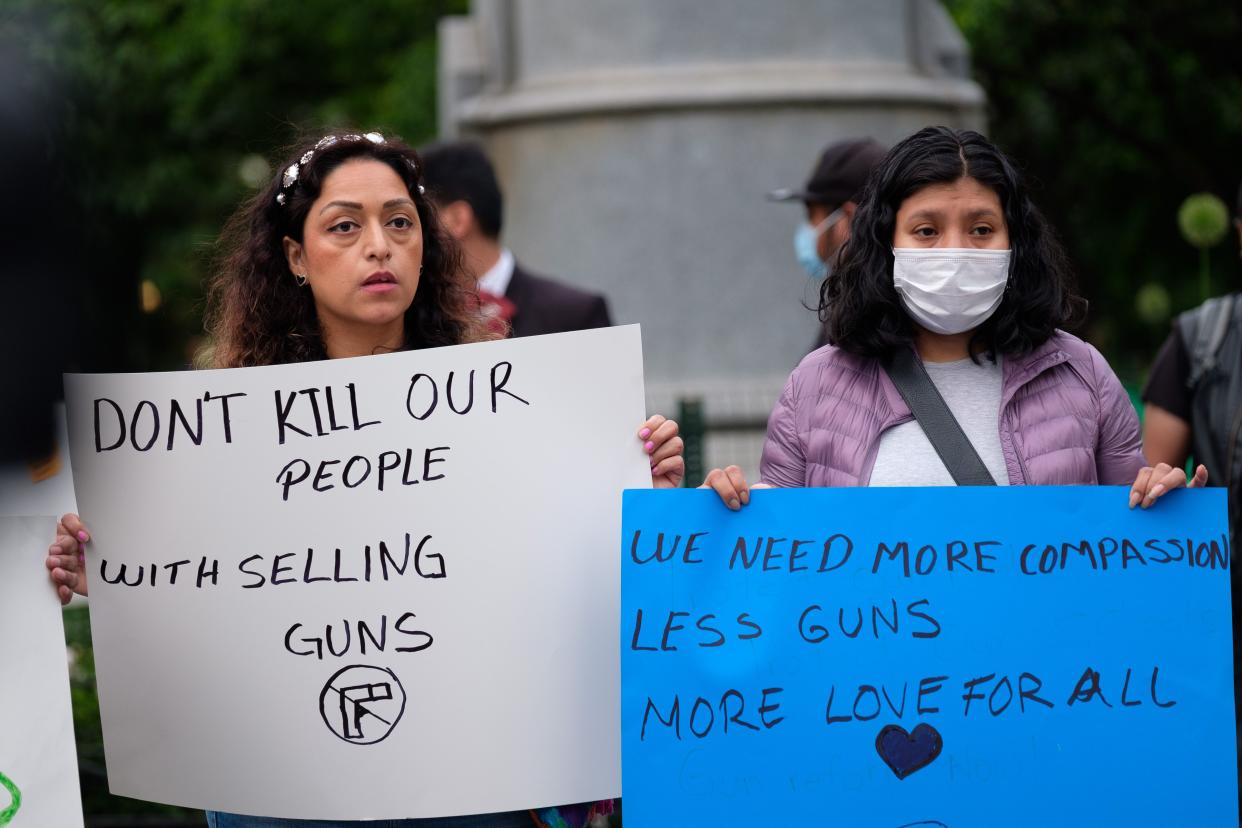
<point x="342" y="255"/>
<point x="947" y="363"/>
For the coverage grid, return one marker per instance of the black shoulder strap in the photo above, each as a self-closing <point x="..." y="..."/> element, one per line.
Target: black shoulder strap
<point x="936" y="420"/>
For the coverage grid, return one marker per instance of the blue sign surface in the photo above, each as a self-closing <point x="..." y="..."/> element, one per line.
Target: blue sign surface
<point x="933" y="657"/>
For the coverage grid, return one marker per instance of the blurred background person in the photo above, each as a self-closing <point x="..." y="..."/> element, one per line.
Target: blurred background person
<point x="36" y="270"/>
<point x="1193" y="394"/>
<point x="39" y="275"/>
<point x="830" y="196"/>
<point x="462" y="183"/>
<point x="1193" y="409"/>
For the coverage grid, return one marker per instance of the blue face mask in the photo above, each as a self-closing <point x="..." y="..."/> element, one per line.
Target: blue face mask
<point x="806" y="244"/>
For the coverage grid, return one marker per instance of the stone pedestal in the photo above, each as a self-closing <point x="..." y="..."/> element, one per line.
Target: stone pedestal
<point x="635" y="143"/>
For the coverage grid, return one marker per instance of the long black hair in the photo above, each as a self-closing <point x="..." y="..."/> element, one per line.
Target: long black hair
<point x="858" y="301"/>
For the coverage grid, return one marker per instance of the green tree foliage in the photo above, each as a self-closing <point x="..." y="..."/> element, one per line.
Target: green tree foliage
<point x="1118" y="111"/>
<point x="160" y="103"/>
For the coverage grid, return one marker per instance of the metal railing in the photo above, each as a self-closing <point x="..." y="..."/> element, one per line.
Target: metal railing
<point x="696" y="428"/>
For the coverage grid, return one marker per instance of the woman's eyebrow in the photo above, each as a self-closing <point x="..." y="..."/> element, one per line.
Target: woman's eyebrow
<point x="351" y="205"/>
<point x="924" y="214"/>
<point x="927" y="214"/>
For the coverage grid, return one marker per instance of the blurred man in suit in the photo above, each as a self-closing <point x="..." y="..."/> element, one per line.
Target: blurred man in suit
<point x="462" y="183"/>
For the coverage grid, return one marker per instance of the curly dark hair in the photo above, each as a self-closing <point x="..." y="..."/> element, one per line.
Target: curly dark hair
<point x="859" y="302"/>
<point x="257" y="314"/>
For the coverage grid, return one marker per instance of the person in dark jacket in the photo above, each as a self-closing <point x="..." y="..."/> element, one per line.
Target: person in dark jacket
<point x="1193" y="408"/>
<point x="1194" y="393"/>
<point x="462" y="183"/>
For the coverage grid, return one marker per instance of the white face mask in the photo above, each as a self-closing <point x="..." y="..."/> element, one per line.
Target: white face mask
<point x="949" y="290"/>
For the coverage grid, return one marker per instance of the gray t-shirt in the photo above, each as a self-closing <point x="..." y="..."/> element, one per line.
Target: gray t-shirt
<point x="972" y="392"/>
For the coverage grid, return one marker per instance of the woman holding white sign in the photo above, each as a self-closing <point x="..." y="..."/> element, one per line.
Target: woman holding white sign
<point x="947" y="364"/>
<point x="342" y="255"/>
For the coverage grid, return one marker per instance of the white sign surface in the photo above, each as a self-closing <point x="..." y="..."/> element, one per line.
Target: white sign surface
<point x="38" y="763"/>
<point x="363" y="589"/>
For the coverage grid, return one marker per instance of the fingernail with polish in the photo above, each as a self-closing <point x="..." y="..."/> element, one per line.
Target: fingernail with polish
<point x="649" y="445"/>
<point x="82" y="536"/>
<point x="645" y="433"/>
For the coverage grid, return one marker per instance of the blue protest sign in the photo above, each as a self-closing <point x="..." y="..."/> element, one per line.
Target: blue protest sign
<point x="941" y="657"/>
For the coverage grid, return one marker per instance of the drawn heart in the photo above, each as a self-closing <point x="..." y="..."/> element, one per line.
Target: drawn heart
<point x="903" y="752"/>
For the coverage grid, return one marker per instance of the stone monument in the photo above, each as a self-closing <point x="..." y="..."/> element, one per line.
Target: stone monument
<point x="635" y="143"/>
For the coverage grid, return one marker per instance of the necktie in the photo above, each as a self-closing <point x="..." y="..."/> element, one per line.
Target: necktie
<point x="498" y="311"/>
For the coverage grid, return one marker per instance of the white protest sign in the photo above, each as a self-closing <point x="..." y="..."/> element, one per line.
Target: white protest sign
<point x="38" y="763"/>
<point x="363" y="588"/>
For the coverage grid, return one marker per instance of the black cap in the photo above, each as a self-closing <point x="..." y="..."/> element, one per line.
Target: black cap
<point x="839" y="174"/>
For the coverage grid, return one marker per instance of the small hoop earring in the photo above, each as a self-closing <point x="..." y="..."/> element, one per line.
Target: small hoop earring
<point x="300" y="278"/>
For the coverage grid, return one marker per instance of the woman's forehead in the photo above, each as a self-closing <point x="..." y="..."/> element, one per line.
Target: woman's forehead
<point x="364" y="180"/>
<point x="962" y="194"/>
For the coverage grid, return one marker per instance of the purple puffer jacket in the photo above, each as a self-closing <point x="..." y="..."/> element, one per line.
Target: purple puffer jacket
<point x="1065" y="420"/>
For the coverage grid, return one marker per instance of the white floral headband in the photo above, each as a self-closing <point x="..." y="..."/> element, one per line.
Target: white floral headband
<point x="291" y="172"/>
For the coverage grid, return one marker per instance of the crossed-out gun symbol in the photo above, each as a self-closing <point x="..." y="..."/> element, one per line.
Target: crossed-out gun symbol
<point x="353" y="706"/>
